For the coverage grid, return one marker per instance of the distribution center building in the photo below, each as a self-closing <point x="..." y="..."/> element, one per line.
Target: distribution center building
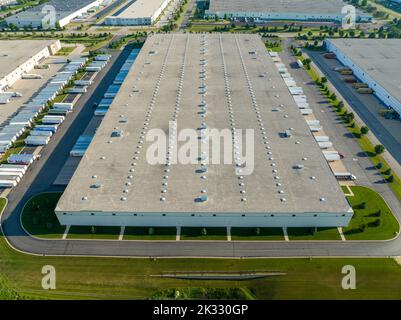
<point x="376" y="62"/>
<point x="19" y="57"/>
<point x="203" y="82"/>
<point x="64" y="11"/>
<point x="139" y="12"/>
<point x="8" y="2"/>
<point x="291" y="10"/>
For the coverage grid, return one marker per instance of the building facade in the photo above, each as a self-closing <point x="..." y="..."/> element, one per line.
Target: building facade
<point x="7" y="80"/>
<point x="364" y="73"/>
<point x="63" y="12"/>
<point x="139" y="13"/>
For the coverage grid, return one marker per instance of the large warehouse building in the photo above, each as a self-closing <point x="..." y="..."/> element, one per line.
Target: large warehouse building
<point x="204" y="82"/>
<point x="19" y="57"/>
<point x="7" y="2"/>
<point x="376" y="62"/>
<point x="291" y="10"/>
<point x="39" y="16"/>
<point x="139" y="12"/>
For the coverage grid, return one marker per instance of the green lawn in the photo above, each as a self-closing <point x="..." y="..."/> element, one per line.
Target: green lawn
<point x="203" y="294"/>
<point x="92" y="233"/>
<point x="143" y="233"/>
<point x="310" y="234"/>
<point x="190" y="233"/>
<point x="124" y="278"/>
<point x="65" y="51"/>
<point x="38" y="216"/>
<point x="370" y="207"/>
<point x="259" y="234"/>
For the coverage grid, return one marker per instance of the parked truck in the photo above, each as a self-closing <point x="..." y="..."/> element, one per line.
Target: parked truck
<point x="346" y="72"/>
<point x="31" y="76"/>
<point x="365" y="91"/>
<point x="330" y="55"/>
<point x="8" y="183"/>
<point x="344" y="176"/>
<point x="350" y="80"/>
<point x="359" y="85"/>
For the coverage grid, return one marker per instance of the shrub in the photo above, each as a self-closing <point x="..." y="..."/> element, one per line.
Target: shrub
<point x="379" y="165"/>
<point x="390" y="179"/>
<point x="204" y="232"/>
<point x="379" y="149"/>
<point x="374" y="224"/>
<point x="361" y="206"/>
<point x="364" y="130"/>
<point x="377" y="214"/>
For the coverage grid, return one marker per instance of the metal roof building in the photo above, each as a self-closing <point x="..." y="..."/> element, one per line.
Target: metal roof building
<point x="139" y="12"/>
<point x="20" y="57"/>
<point x="191" y="84"/>
<point x="40" y="15"/>
<point x="303" y="10"/>
<point x="376" y="62"/>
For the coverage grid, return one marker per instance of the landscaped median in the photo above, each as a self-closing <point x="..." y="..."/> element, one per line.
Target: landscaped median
<point x="373" y="220"/>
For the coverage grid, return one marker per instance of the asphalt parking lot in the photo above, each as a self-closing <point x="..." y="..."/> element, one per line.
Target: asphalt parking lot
<point x="42" y="173"/>
<point x="366" y="106"/>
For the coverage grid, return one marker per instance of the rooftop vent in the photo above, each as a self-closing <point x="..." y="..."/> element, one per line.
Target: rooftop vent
<point x="201" y="199"/>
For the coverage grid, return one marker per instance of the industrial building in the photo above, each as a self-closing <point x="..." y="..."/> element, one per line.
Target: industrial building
<point x="20" y="57"/>
<point x="376" y="62"/>
<point x="203" y="82"/>
<point x="291" y="10"/>
<point x="138" y="12"/>
<point x="7" y="2"/>
<point x="39" y="16"/>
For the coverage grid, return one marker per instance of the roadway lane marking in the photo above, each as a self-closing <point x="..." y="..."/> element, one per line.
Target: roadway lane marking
<point x="285" y="234"/>
<point x="121" y="236"/>
<point x="67" y="229"/>
<point x="178" y="236"/>
<point x="340" y="231"/>
<point x="228" y="233"/>
<point x="350" y="193"/>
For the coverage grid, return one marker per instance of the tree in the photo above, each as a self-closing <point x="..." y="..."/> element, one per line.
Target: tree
<point x="364" y="130"/>
<point x="350" y="116"/>
<point x="390" y="179"/>
<point x="379" y="149"/>
<point x="387" y="172"/>
<point x="324" y="80"/>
